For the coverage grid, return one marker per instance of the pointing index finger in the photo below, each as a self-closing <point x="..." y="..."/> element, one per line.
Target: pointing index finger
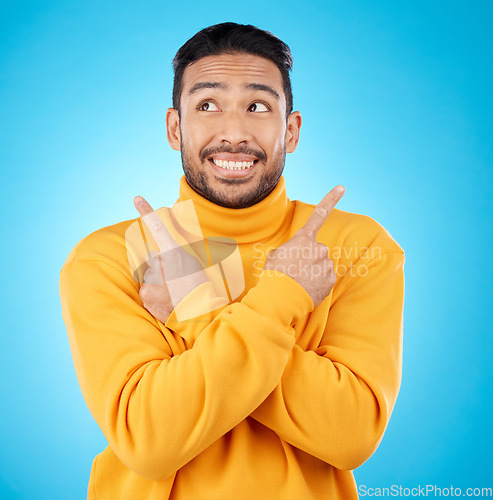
<point x="322" y="211"/>
<point x="156" y="226"/>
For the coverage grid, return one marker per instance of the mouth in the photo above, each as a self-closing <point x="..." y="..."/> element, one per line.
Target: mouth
<point x="233" y="165"/>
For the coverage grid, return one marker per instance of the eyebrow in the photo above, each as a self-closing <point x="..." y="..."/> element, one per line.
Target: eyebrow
<point x="219" y="85"/>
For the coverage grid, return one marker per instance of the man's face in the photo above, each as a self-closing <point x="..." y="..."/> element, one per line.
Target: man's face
<point x="232" y="132"/>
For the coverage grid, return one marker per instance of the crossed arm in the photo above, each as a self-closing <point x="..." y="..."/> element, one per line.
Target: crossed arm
<point x="332" y="403"/>
<point x="159" y="409"/>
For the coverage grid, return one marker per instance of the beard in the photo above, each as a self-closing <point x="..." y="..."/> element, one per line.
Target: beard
<point x="233" y="193"/>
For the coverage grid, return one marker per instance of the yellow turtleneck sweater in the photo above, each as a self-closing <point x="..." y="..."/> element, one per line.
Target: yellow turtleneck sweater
<point x="264" y="398"/>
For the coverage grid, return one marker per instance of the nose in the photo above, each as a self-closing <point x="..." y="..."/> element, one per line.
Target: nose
<point x="234" y="128"/>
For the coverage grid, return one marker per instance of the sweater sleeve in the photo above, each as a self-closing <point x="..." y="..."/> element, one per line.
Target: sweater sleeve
<point x="159" y="409"/>
<point x="334" y="402"/>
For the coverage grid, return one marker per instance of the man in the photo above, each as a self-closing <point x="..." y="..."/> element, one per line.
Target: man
<point x="275" y="389"/>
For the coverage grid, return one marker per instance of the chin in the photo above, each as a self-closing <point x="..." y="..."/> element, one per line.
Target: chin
<point x="230" y="192"/>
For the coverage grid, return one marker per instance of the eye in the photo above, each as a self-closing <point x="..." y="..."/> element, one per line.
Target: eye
<point x="207" y="106"/>
<point x="258" y="107"/>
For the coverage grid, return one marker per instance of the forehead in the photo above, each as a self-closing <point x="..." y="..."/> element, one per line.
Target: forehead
<point x="233" y="69"/>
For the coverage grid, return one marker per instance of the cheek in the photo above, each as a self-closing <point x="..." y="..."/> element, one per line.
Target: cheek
<point x="272" y="139"/>
<point x="275" y="144"/>
<point x="196" y="137"/>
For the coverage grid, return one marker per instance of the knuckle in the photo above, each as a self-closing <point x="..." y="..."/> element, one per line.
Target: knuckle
<point x="155" y="261"/>
<point x="151" y="277"/>
<point x="332" y="197"/>
<point x="304" y="238"/>
<point x="144" y="293"/>
<point x="323" y="249"/>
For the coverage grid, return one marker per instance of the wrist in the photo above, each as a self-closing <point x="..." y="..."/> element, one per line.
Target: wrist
<point x="279" y="297"/>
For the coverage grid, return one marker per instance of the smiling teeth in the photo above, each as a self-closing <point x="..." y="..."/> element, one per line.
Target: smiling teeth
<point x="233" y="165"/>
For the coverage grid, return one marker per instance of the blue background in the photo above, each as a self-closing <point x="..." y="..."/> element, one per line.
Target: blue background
<point x="396" y="101"/>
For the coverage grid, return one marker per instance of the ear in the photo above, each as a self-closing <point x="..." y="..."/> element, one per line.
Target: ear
<point x="173" y="128"/>
<point x="293" y="131"/>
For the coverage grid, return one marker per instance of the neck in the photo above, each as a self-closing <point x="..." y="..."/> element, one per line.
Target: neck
<point x="246" y="225"/>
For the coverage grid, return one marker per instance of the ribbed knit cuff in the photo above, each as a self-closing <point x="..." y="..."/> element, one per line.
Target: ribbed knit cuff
<point x="195" y="311"/>
<point x="279" y="297"/>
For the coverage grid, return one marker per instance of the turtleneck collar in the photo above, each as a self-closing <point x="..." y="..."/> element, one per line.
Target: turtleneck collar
<point x="245" y="225"/>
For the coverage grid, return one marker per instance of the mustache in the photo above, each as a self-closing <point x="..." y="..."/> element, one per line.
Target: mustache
<point x="227" y="149"/>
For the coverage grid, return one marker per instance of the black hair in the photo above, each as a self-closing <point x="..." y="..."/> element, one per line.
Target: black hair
<point x="232" y="38"/>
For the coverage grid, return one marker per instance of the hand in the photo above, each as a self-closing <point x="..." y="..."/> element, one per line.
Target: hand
<point x="303" y="258"/>
<point x="172" y="273"/>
